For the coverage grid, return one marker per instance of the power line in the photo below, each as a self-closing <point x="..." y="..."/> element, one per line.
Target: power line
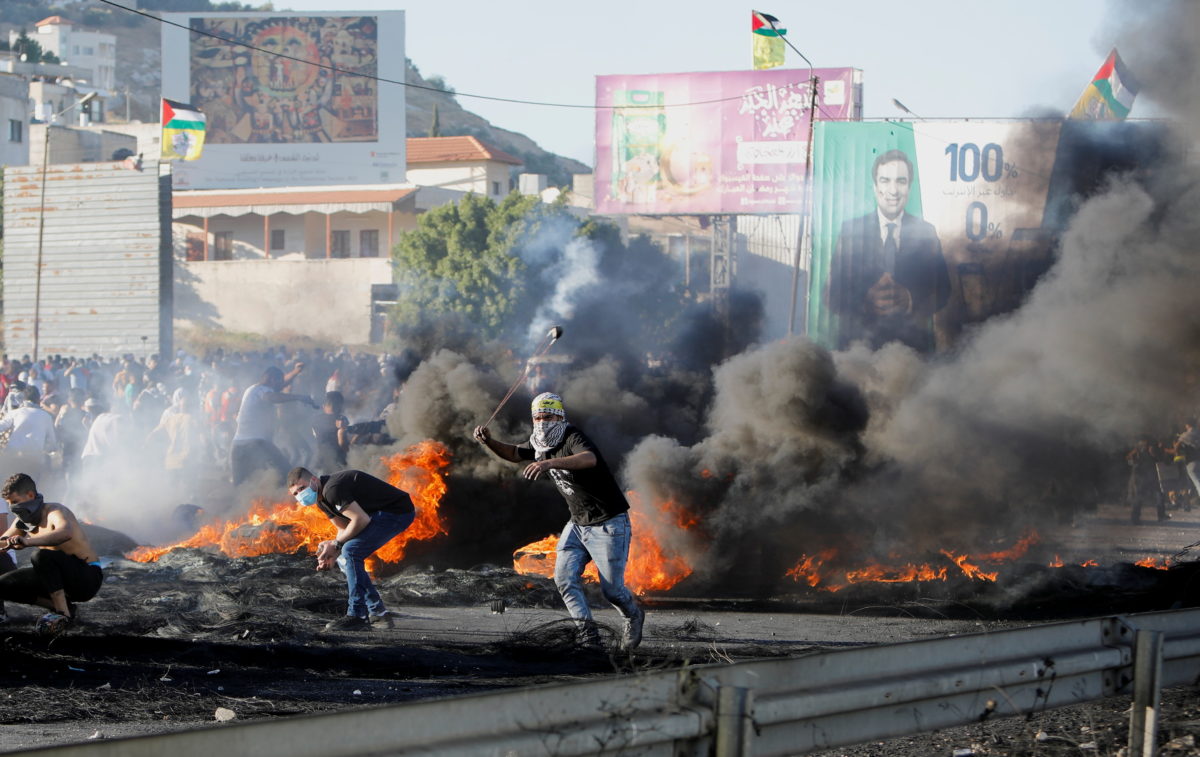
<point x="383" y="80"/>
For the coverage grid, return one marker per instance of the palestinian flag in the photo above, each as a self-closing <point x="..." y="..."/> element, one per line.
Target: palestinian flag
<point x="1110" y="95"/>
<point x="768" y="40"/>
<point x="182" y="131"/>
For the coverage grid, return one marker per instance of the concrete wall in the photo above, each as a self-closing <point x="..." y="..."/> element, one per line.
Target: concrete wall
<point x="327" y="299"/>
<point x="148" y="136"/>
<point x="70" y="145"/>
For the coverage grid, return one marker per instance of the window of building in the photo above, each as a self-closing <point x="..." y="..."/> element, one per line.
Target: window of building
<point x="16" y="130"/>
<point x="339" y="244"/>
<point x="222" y="245"/>
<point x="278" y="239"/>
<point x="495" y="187"/>
<point x="89" y="51"/>
<point x="368" y="243"/>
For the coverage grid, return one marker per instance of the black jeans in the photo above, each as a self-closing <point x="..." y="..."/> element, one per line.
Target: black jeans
<point x="252" y="455"/>
<point x="6" y="566"/>
<point x="49" y="571"/>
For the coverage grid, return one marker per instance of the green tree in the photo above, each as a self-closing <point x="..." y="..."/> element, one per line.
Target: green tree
<point x="483" y="265"/>
<point x="458" y="260"/>
<point x="30" y="49"/>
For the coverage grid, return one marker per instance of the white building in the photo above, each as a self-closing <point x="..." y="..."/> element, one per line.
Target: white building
<point x="94" y="51"/>
<point x="242" y="255"/>
<point x="461" y="163"/>
<point x="14" y="120"/>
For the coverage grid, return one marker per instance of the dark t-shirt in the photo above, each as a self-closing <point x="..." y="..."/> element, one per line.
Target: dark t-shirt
<point x="592" y="494"/>
<point x="372" y="494"/>
<point x="325" y="429"/>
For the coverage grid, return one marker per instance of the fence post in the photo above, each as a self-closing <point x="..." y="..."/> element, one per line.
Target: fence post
<point x="734" y="726"/>
<point x="1147" y="686"/>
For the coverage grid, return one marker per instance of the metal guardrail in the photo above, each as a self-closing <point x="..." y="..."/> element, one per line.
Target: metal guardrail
<point x="775" y="707"/>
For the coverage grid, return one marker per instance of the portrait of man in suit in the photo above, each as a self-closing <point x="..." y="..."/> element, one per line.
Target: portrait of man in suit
<point x="888" y="275"/>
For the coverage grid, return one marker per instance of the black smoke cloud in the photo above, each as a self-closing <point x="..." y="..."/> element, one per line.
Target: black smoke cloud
<point x="635" y="359"/>
<point x="882" y="454"/>
<point x="786" y="449"/>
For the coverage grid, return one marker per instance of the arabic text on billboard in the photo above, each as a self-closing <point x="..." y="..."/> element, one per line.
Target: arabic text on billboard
<point x="720" y="142"/>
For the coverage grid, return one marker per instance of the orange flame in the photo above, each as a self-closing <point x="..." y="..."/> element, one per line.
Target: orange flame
<point x="289" y="527"/>
<point x="902" y="574"/>
<point x="651" y="567"/>
<point x="419" y="471"/>
<point x="972" y="571"/>
<point x="1152" y="562"/>
<point x="1016" y="552"/>
<point x="1056" y="562"/>
<point x="808" y="569"/>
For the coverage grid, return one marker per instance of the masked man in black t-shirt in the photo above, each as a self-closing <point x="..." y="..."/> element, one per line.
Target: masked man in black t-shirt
<point x="368" y="513"/>
<point x="599" y="527"/>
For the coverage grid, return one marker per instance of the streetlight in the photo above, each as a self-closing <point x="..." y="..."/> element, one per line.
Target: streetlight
<point x="37" y="276"/>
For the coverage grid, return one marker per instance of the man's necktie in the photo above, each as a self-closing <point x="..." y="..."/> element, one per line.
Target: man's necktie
<point x="889" y="250"/>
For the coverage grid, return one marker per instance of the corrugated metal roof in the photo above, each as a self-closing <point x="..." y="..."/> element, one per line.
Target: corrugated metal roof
<point x="106" y="261"/>
<point x="267" y="202"/>
<point x="454" y="150"/>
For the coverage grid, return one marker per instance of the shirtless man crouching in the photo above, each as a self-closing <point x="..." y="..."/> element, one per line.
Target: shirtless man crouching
<point x="64" y="569"/>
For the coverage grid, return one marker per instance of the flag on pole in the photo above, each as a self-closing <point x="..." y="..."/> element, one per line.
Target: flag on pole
<point x="768" y="40"/>
<point x="182" y="131"/>
<point x="1110" y="94"/>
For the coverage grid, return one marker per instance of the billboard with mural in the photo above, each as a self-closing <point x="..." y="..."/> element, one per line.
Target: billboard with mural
<point x="922" y="229"/>
<point x="717" y="142"/>
<point x="290" y="98"/>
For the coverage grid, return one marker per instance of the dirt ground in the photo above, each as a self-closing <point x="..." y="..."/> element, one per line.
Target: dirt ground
<point x="167" y="644"/>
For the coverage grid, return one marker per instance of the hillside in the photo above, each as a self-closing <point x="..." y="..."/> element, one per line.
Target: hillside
<point x="138" y="74"/>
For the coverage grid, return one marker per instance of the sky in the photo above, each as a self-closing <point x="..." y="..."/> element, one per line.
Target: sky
<point x="941" y="58"/>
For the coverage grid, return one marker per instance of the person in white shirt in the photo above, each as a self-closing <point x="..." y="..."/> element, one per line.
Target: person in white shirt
<point x="31" y="435"/>
<point x="253" y="448"/>
<point x="110" y="433"/>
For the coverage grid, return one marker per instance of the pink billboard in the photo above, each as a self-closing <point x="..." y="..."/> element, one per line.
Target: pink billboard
<point x="718" y="142"/>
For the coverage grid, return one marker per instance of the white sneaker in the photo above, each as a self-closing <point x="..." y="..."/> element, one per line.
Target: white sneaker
<point x="633" y="630"/>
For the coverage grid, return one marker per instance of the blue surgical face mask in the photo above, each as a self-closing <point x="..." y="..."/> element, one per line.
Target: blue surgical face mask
<point x="307" y="496"/>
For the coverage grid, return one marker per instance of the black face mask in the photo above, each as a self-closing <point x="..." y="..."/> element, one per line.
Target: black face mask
<point x="29" y="512"/>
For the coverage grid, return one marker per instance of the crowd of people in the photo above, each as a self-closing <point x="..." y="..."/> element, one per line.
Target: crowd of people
<point x="70" y="423"/>
<point x="65" y="419"/>
<point x="81" y="429"/>
<point x="1164" y="473"/>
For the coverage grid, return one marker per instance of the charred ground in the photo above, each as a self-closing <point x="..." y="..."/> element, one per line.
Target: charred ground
<point x="166" y="644"/>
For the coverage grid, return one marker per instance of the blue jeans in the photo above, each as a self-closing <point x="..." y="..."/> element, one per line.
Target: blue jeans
<point x="383" y="528"/>
<point x="606" y="544"/>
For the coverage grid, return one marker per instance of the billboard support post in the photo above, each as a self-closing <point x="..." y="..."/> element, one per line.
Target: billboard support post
<point x="805" y="211"/>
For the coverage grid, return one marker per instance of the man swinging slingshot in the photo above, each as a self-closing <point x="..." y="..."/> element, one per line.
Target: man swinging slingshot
<point x="599" y="529"/>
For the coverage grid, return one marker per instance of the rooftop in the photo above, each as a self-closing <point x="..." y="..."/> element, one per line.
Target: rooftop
<point x="455" y="150"/>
